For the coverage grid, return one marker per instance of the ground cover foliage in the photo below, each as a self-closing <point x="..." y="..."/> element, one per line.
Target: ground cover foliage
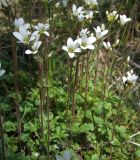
<point x="69" y="80"/>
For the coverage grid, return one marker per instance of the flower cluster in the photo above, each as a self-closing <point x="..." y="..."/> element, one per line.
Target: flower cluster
<point x="113" y="16"/>
<point x="2" y="71"/>
<point x="84" y="41"/>
<point x="130" y="77"/>
<point x="81" y="14"/>
<point x="23" y="32"/>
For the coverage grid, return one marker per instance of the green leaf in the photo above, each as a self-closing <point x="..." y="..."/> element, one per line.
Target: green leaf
<point x="10" y="126"/>
<point x="95" y="157"/>
<point x="137" y="152"/>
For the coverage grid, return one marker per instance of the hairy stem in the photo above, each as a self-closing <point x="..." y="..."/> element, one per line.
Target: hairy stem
<point x="75" y="88"/>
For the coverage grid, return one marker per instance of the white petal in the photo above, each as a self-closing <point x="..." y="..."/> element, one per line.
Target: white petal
<point x="80" y="17"/>
<point x="39" y="44"/>
<point x="104" y="43"/>
<point x="46" y="33"/>
<point x="79" y="9"/>
<point x="124" y="79"/>
<point x="84" y="47"/>
<point x="76" y="44"/>
<point x="71" y="55"/>
<point x="79" y="40"/>
<point x="21" y="20"/>
<point x="90" y="47"/>
<point x="27" y="26"/>
<point x="104" y="33"/>
<point x="78" y="50"/>
<point x="36" y="27"/>
<point x="2" y="71"/>
<point x="74" y="8"/>
<point x="18" y="36"/>
<point x="65" y="48"/>
<point x="98" y="29"/>
<point x="91" y="40"/>
<point x="69" y="41"/>
<point x="35" y="52"/>
<point x="28" y="52"/>
<point x="22" y="30"/>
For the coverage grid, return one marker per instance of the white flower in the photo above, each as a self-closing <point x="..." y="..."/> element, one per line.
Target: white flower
<point x="20" y="22"/>
<point x="107" y="45"/>
<point x="35" y="36"/>
<point x="72" y="47"/>
<point x="42" y="28"/>
<point x="87" y="42"/>
<point x="34" y="47"/>
<point x="112" y="16"/>
<point x="78" y="12"/>
<point x="100" y="33"/>
<point x="84" y="32"/>
<point x="22" y="35"/>
<point x="124" y="19"/>
<point x="2" y="71"/>
<point x="91" y="2"/>
<point x="36" y="43"/>
<point x="130" y="78"/>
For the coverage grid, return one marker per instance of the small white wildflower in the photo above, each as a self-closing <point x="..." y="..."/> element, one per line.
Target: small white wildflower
<point x="112" y="16"/>
<point x="84" y="32"/>
<point x="35" y="43"/>
<point x="72" y="47"/>
<point x="87" y="42"/>
<point x="124" y="19"/>
<point x="42" y="28"/>
<point x="34" y="47"/>
<point x="22" y="35"/>
<point x="107" y="45"/>
<point x="130" y="78"/>
<point x="78" y="12"/>
<point x="99" y="32"/>
<point x="20" y="22"/>
<point x="35" y="36"/>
